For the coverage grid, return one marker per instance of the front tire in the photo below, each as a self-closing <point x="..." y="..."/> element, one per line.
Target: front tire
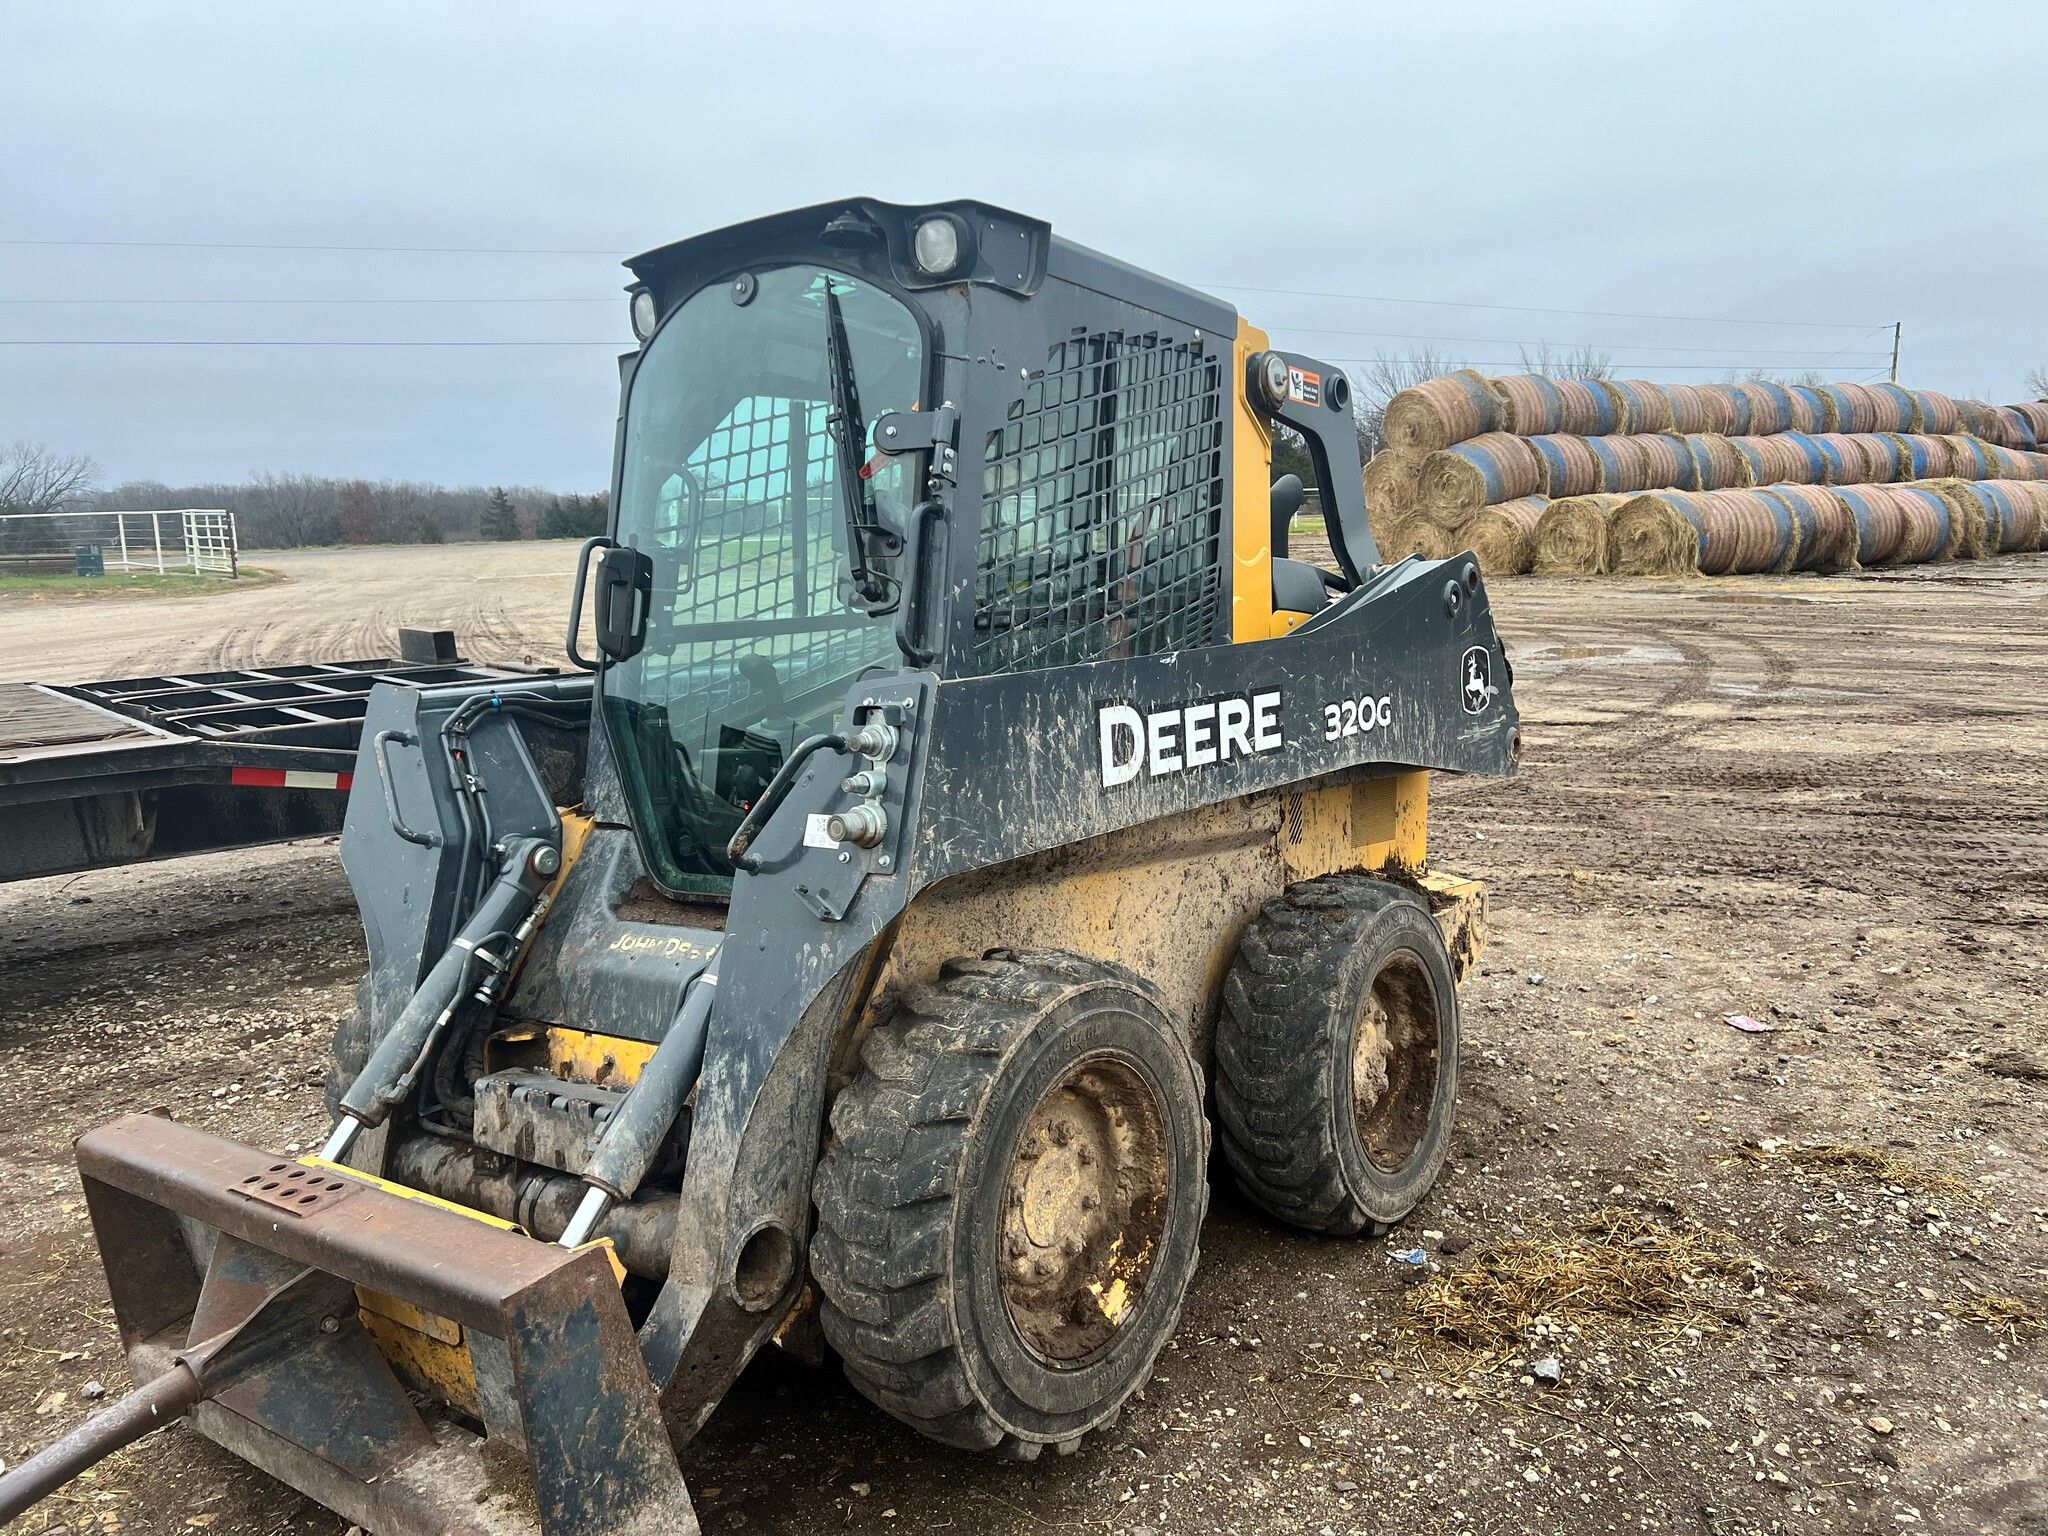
<point x="1010" y="1204"/>
<point x="1337" y="1055"/>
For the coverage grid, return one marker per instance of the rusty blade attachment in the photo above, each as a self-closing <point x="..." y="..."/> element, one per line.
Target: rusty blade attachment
<point x="308" y="1320"/>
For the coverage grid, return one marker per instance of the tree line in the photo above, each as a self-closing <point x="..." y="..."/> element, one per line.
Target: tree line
<point x="290" y="511"/>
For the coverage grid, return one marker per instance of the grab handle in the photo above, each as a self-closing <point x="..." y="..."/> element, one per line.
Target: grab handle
<point x="378" y="743"/>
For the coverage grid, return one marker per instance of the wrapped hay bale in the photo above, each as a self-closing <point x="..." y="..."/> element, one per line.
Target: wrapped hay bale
<point x="1587" y="408"/>
<point x="1639" y="405"/>
<point x="1928" y="530"/>
<point x="1391" y="477"/>
<point x="1439" y="412"/>
<point x="2013" y="521"/>
<point x="1809" y="463"/>
<point x="1934" y="413"/>
<point x="2034" y="413"/>
<point x="1821" y="535"/>
<point x="1671" y="462"/>
<point x="1770" y="408"/>
<point x="1841" y="460"/>
<point x="1893" y="406"/>
<point x="1571" y="536"/>
<point x="1740" y="405"/>
<point x="1717" y="466"/>
<point x="1853" y="407"/>
<point x="1701" y="408"/>
<point x="1812" y="411"/>
<point x="1569" y="465"/>
<point x="1981" y="421"/>
<point x="2028" y="466"/>
<point x="1969" y="518"/>
<point x="1655" y="534"/>
<point x="1880" y="521"/>
<point x="1503" y="538"/>
<point x="2014" y="431"/>
<point x="1771" y="459"/>
<point x="1922" y="457"/>
<point x="1881" y="461"/>
<point x="1966" y="459"/>
<point x="1529" y="404"/>
<point x="2035" y="493"/>
<point x="1484" y="471"/>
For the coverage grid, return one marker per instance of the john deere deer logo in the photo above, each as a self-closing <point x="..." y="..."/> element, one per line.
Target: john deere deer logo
<point x="1478" y="671"/>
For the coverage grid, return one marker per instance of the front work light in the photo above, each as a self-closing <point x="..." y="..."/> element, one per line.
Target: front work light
<point x="645" y="314"/>
<point x="935" y="243"/>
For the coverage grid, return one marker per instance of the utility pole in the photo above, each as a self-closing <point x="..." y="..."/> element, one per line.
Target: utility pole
<point x="1898" y="329"/>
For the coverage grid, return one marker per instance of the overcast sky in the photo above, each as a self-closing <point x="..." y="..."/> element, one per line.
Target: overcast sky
<point x="1846" y="165"/>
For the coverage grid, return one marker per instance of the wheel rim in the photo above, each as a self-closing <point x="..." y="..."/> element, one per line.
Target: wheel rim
<point x="1084" y="1209"/>
<point x="1394" y="1063"/>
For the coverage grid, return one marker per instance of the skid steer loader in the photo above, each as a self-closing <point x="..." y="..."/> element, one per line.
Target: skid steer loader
<point x="967" y="806"/>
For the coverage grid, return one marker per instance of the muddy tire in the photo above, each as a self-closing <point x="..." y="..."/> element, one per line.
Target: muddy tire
<point x="1010" y="1201"/>
<point x="1337" y="1055"/>
<point x="349" y="1051"/>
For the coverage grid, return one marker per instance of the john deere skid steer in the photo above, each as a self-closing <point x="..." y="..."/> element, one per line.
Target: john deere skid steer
<point x="966" y="807"/>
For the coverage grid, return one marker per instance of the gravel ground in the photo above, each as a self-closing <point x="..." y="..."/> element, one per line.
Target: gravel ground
<point x="1818" y="805"/>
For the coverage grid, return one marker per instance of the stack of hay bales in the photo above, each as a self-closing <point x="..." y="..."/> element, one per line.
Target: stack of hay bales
<point x="1533" y="473"/>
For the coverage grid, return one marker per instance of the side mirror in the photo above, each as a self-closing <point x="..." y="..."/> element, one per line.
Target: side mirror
<point x="625" y="589"/>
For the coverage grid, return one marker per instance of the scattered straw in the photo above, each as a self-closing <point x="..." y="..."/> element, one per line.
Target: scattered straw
<point x="2013" y="1316"/>
<point x="1869" y="1165"/>
<point x="1612" y="1269"/>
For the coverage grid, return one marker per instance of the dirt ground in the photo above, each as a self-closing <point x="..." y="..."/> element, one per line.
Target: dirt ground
<point x="1821" y="805"/>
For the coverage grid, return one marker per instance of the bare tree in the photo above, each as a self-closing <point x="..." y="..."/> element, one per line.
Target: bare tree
<point x="2037" y="383"/>
<point x="36" y="478"/>
<point x="1582" y="362"/>
<point x="290" y="508"/>
<point x="1382" y="379"/>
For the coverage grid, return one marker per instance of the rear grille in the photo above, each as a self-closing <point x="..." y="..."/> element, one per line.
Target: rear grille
<point x="1101" y="531"/>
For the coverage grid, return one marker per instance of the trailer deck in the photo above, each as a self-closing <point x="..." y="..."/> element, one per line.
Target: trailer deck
<point x="96" y="774"/>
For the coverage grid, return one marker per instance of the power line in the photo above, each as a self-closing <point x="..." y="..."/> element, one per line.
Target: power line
<point x="438" y="299"/>
<point x="395" y="250"/>
<point x="169" y="342"/>
<point x="1532" y="309"/>
<point x="1518" y="341"/>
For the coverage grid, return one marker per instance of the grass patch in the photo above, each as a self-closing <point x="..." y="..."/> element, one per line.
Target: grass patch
<point x="112" y="588"/>
<point x="1612" y="1270"/>
<point x="1862" y="1164"/>
<point x="1315" y="525"/>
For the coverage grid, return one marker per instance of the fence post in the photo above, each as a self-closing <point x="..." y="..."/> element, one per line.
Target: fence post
<point x="156" y="529"/>
<point x="121" y="522"/>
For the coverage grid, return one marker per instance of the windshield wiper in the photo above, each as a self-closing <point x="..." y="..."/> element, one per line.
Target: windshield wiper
<point x="849" y="430"/>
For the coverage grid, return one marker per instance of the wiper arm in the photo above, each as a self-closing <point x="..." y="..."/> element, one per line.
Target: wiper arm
<point x="849" y="430"/>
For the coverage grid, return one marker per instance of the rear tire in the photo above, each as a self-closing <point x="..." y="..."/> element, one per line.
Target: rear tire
<point x="1011" y="1201"/>
<point x="1337" y="1055"/>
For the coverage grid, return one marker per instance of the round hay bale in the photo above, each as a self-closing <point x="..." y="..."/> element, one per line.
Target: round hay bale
<point x="1928" y="524"/>
<point x="1841" y="460"/>
<point x="1853" y="407"/>
<point x="1413" y="534"/>
<point x="1740" y="406"/>
<point x="1770" y="407"/>
<point x="1644" y="406"/>
<point x="1588" y="409"/>
<point x="2035" y="494"/>
<point x="1390" y="481"/>
<point x="1457" y="481"/>
<point x="1808" y="465"/>
<point x="1893" y="406"/>
<point x="2013" y="430"/>
<point x="1503" y="538"/>
<point x="1529" y="404"/>
<point x="1717" y="466"/>
<point x="1656" y="534"/>
<point x="1881" y="461"/>
<point x="1812" y="411"/>
<point x="1743" y="532"/>
<point x="1821" y="532"/>
<point x="2000" y="463"/>
<point x="2015" y="522"/>
<point x="1571" y="536"/>
<point x="2029" y="466"/>
<point x="1934" y="412"/>
<point x="2035" y="414"/>
<point x="1699" y="408"/>
<point x="1925" y="457"/>
<point x="1880" y="521"/>
<point x="1969" y="518"/>
<point x="1570" y="467"/>
<point x="1439" y="412"/>
<point x="1624" y="463"/>
<point x="1976" y="419"/>
<point x="1769" y="458"/>
<point x="1966" y="459"/>
<point x="1671" y="462"/>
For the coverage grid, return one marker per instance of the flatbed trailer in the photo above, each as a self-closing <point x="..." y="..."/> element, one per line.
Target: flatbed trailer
<point x="99" y="774"/>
